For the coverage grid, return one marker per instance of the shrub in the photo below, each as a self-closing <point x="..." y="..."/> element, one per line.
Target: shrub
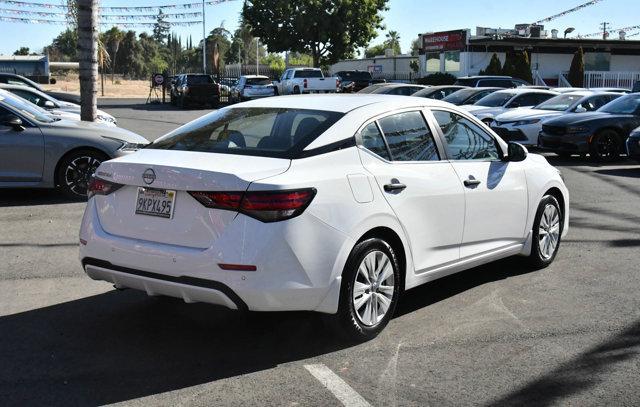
<point x="494" y="67"/>
<point x="437" y="78"/>
<point x="576" y="72"/>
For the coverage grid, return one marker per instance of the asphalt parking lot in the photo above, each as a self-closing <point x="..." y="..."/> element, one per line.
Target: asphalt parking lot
<point x="500" y="334"/>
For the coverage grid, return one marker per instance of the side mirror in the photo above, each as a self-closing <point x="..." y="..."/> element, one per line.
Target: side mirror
<point x="580" y="109"/>
<point x="49" y="104"/>
<point x="52" y="81"/>
<point x="516" y="152"/>
<point x="13" y="121"/>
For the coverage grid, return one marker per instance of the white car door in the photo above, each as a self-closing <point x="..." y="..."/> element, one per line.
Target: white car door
<point x="422" y="189"/>
<point x="495" y="190"/>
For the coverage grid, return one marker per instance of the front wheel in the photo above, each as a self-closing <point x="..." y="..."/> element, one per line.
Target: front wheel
<point x="75" y="171"/>
<point x="547" y="232"/>
<point x="605" y="146"/>
<point x="370" y="290"/>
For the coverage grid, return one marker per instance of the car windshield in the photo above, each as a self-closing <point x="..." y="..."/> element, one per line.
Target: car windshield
<point x="355" y="76"/>
<point x="309" y="73"/>
<point x="628" y="104"/>
<point x="199" y="79"/>
<point x="559" y="103"/>
<point x="495" y="99"/>
<point x="258" y="81"/>
<point x="371" y="88"/>
<point x="27" y="109"/>
<point x="268" y="132"/>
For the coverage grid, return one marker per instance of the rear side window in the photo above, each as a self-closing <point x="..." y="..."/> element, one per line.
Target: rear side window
<point x="409" y="137"/>
<point x="500" y="83"/>
<point x="373" y="141"/>
<point x="269" y="132"/>
<point x="199" y="79"/>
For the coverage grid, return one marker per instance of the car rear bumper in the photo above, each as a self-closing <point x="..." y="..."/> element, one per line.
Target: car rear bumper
<point x="298" y="264"/>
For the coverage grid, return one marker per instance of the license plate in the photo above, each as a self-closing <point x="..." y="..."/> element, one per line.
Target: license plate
<point x="155" y="202"/>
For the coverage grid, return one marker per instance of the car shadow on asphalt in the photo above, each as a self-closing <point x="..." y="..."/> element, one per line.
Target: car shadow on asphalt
<point x="622" y="172"/>
<point x="122" y="345"/>
<point x="33" y="197"/>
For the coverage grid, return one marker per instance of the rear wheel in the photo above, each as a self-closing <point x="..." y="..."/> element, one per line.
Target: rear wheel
<point x="75" y="171"/>
<point x="369" y="292"/>
<point x="296" y="90"/>
<point x="547" y="232"/>
<point x="605" y="146"/>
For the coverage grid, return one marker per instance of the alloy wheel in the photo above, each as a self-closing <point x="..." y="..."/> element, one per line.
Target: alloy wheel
<point x="78" y="173"/>
<point x="549" y="231"/>
<point x="606" y="146"/>
<point x="373" y="288"/>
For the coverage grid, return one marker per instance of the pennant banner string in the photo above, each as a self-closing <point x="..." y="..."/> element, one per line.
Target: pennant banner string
<point x="116" y="9"/>
<point x="102" y="16"/>
<point x="564" y="13"/>
<point x="120" y="24"/>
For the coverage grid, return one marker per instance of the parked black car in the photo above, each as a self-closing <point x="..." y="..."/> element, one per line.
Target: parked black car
<point x="487" y="81"/>
<point x="191" y="88"/>
<point x="13" y="79"/>
<point x="469" y="96"/>
<point x="354" y="81"/>
<point x="602" y="134"/>
<point x="438" y="92"/>
<point x="633" y="145"/>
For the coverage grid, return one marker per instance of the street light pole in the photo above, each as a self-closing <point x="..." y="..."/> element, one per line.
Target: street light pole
<point x="204" y="42"/>
<point x="257" y="54"/>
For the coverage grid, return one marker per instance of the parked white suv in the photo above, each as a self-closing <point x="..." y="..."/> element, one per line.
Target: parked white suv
<point x="329" y="203"/>
<point x="296" y="81"/>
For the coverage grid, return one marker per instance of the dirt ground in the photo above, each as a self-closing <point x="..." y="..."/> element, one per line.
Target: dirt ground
<point x="120" y="88"/>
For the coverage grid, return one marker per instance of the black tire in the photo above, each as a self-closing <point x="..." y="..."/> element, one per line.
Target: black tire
<point x="347" y="321"/>
<point x="605" y="146"/>
<point x="487" y="122"/>
<point x="296" y="90"/>
<point x="172" y="98"/>
<point x="75" y="170"/>
<point x="538" y="258"/>
<point x="181" y="102"/>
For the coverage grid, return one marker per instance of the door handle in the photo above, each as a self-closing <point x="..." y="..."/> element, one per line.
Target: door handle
<point x="472" y="182"/>
<point x="396" y="186"/>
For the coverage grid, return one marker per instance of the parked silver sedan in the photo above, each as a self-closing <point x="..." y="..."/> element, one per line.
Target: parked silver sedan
<point x="66" y="110"/>
<point x="40" y="150"/>
<point x="251" y="87"/>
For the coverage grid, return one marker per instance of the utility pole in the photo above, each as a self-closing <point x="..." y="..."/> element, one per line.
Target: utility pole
<point x="605" y="33"/>
<point x="204" y="42"/>
<point x="257" y="54"/>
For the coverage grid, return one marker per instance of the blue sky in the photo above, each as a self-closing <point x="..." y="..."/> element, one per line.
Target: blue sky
<point x="408" y="17"/>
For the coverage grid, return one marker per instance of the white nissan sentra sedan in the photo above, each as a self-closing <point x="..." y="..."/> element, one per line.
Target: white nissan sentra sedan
<point x="328" y="203"/>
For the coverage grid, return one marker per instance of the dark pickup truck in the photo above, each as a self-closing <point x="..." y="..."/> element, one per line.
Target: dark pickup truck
<point x="198" y="89"/>
<point x="353" y="81"/>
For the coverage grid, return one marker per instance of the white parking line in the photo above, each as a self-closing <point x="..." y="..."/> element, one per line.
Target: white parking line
<point x="337" y="386"/>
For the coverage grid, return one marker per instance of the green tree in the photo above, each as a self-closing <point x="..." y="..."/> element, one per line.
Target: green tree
<point x="22" y="51"/>
<point x="494" y="67"/>
<point x="298" y="59"/>
<point x="415" y="47"/>
<point x="415" y="67"/>
<point x="328" y="30"/>
<point x="576" y="71"/>
<point x="509" y="67"/>
<point x="219" y="36"/>
<point x="64" y="47"/>
<point x="375" y="50"/>
<point x="111" y="40"/>
<point x="161" y="27"/>
<point x="393" y="42"/>
<point x="523" y="67"/>
<point x="275" y="62"/>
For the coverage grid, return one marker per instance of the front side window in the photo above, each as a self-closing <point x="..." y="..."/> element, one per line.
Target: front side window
<point x="372" y="140"/>
<point x="25" y="108"/>
<point x="269" y="132"/>
<point x="463" y="139"/>
<point x="408" y="137"/>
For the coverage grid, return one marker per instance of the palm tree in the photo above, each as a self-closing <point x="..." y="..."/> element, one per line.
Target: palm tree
<point x="393" y="41"/>
<point x="88" y="51"/>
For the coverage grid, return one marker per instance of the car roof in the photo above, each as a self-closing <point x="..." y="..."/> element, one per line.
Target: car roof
<point x="486" y="77"/>
<point x="342" y="103"/>
<point x="255" y="76"/>
<point x="517" y="91"/>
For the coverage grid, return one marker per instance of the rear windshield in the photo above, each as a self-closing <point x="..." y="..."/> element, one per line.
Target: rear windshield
<point x="268" y="132"/>
<point x="495" y="99"/>
<point x="465" y="82"/>
<point x="460" y="96"/>
<point x="258" y="81"/>
<point x="371" y="88"/>
<point x="355" y="76"/>
<point x="199" y="79"/>
<point x="308" y="73"/>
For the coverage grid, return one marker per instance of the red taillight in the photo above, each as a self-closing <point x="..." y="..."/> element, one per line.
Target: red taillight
<point x="219" y="200"/>
<point x="98" y="186"/>
<point x="266" y="206"/>
<point x="304" y="83"/>
<point x="237" y="267"/>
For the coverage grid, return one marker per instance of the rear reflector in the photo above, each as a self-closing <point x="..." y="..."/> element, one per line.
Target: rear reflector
<point x="266" y="206"/>
<point x="237" y="267"/>
<point x="99" y="186"/>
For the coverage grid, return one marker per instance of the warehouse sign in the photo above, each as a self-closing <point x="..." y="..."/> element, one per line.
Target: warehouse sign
<point x="445" y="41"/>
